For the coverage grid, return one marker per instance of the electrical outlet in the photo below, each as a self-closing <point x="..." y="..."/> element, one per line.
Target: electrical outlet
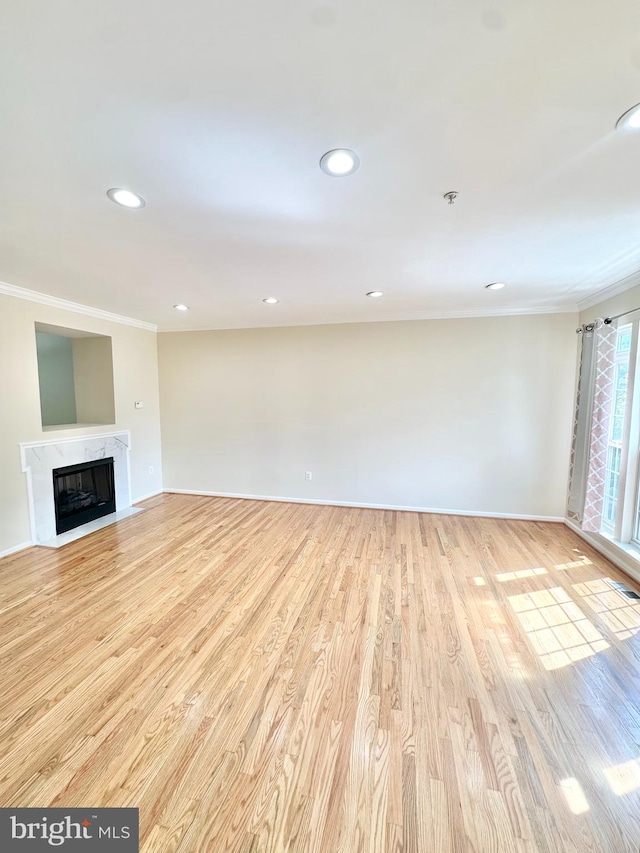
<point x="308" y="475"/>
<point x="151" y="469"/>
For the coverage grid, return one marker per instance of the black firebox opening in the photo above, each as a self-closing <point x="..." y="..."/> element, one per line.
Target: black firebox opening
<point x="83" y="493"/>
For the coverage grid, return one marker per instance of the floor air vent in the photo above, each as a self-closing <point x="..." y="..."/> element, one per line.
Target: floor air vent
<point x="625" y="590"/>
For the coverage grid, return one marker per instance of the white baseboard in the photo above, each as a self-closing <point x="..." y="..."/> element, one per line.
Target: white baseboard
<point x="15" y="548"/>
<point x="621" y="557"/>
<point x="431" y="510"/>
<point x="146" y="497"/>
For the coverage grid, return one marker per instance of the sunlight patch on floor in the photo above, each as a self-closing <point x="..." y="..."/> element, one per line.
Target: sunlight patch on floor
<point x="556" y="627"/>
<point x="624" y="778"/>
<point x="620" y="614"/>
<point x="575" y="564"/>
<point x="523" y="573"/>
<point x="574" y="795"/>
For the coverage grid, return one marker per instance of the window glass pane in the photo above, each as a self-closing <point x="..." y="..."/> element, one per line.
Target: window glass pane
<point x="624" y="339"/>
<point x="620" y="401"/>
<point x="616" y="427"/>
<point x="611" y="486"/>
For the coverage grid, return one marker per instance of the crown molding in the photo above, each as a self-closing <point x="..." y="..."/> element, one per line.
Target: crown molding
<point x="76" y="307"/>
<point x="565" y="308"/>
<point x="615" y="289"/>
<point x="510" y="311"/>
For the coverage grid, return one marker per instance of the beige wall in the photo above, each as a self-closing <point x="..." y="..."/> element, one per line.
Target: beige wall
<point x="93" y="377"/>
<point x="469" y="415"/>
<point x="135" y="377"/>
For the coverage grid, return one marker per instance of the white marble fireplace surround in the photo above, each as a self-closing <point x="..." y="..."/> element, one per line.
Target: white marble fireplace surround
<point x="39" y="458"/>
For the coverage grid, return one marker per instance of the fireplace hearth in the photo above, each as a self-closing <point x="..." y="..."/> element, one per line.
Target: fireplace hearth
<point x="83" y="493"/>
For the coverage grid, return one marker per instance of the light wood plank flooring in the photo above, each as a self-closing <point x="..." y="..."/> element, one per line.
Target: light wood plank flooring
<point x="274" y="677"/>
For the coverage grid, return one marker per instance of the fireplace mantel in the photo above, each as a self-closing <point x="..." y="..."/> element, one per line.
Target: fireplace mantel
<point x="39" y="458"/>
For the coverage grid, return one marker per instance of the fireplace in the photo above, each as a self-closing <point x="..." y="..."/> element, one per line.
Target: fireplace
<point x="83" y="493"/>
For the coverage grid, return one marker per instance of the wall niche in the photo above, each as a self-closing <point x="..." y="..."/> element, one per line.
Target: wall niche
<point x="75" y="375"/>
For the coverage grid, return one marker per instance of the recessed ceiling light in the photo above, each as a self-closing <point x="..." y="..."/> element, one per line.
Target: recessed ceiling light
<point x="374" y="294"/>
<point x="630" y="120"/>
<point x="181" y="307"/>
<point x="271" y="300"/>
<point x="496" y="285"/>
<point x="339" y="162"/>
<point x="126" y="198"/>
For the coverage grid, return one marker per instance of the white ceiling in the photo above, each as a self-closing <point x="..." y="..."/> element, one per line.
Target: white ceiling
<point x="218" y="113"/>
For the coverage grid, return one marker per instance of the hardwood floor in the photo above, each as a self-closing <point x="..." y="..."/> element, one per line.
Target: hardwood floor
<point x="278" y="677"/>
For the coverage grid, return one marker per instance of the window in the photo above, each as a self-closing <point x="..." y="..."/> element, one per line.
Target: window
<point x="621" y="494"/>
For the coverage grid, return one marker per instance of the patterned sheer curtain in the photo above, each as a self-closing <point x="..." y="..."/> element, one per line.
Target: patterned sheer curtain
<point x="587" y="475"/>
